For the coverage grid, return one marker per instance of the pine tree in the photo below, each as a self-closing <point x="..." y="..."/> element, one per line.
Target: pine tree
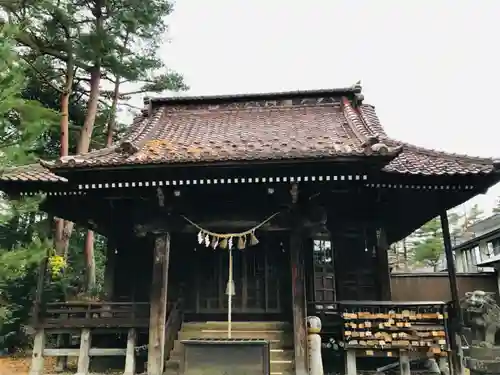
<point x="22" y="121"/>
<point x="91" y="40"/>
<point x="428" y="243"/>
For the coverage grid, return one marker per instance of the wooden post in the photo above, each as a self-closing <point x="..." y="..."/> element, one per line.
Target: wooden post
<point x="130" y="355"/>
<point x="350" y="362"/>
<point x="383" y="266"/>
<point x="404" y="363"/>
<point x="37" y="359"/>
<point x="62" y="361"/>
<point x="298" y="300"/>
<point x="444" y="365"/>
<point x="158" y="301"/>
<point x="83" y="356"/>
<point x="455" y="341"/>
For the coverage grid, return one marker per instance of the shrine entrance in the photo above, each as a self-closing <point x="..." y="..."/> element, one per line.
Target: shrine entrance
<point x="261" y="277"/>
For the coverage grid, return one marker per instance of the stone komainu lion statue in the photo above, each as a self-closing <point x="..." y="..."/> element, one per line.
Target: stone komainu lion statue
<point x="482" y="315"/>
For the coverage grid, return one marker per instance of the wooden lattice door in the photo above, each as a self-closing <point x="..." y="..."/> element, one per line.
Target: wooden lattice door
<point x="258" y="274"/>
<point x="324" y="271"/>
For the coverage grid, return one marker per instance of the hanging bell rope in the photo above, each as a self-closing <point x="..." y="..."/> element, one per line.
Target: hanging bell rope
<point x="228" y="240"/>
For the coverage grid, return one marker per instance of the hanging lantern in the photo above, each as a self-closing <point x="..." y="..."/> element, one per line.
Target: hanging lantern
<point x="230" y="243"/>
<point x="207" y="241"/>
<point x="200" y="237"/>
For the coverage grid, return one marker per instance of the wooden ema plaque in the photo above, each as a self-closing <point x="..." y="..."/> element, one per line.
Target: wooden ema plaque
<point x="412" y="328"/>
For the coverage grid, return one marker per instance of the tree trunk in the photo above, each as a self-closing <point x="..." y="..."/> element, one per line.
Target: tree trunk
<point x="89" y="256"/>
<point x="59" y="241"/>
<point x="92" y="105"/>
<point x="112" y="114"/>
<point x="84" y="140"/>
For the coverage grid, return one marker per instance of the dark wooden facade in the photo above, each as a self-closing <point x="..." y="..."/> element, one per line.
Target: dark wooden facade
<point x="341" y="189"/>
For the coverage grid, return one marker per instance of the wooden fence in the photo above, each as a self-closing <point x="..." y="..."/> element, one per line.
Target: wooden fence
<point x="436" y="286"/>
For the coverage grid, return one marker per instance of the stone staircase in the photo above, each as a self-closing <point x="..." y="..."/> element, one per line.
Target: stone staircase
<point x="280" y="335"/>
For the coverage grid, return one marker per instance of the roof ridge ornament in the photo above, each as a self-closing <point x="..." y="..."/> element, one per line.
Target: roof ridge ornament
<point x="496" y="164"/>
<point x="358" y="96"/>
<point x="372" y="144"/>
<point x="127" y="148"/>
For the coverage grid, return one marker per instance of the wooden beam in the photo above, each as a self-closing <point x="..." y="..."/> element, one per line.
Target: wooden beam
<point x="224" y="223"/>
<point x="158" y="302"/>
<point x="93" y="352"/>
<point x="298" y="299"/>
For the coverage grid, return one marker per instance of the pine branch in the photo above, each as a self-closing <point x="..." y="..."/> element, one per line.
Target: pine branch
<point x="42" y="75"/>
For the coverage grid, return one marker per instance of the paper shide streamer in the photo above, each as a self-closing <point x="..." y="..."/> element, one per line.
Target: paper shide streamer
<point x="240" y="240"/>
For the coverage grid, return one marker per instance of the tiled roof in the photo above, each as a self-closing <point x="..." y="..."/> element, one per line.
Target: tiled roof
<point x="324" y="124"/>
<point x="418" y="160"/>
<point x="30" y="172"/>
<point x="218" y="134"/>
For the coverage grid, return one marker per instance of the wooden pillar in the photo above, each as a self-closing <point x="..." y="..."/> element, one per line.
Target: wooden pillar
<point x="382" y="265"/>
<point x="63" y="340"/>
<point x="298" y="300"/>
<point x="457" y="324"/>
<point x="83" y="356"/>
<point x="404" y="363"/>
<point x="450" y="263"/>
<point x="130" y="354"/>
<point x="158" y="301"/>
<point x="37" y="360"/>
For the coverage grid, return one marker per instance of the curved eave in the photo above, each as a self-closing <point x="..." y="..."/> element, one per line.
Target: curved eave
<point x="345" y="157"/>
<point x="419" y="161"/>
<point x="30" y="173"/>
<point x="31" y="179"/>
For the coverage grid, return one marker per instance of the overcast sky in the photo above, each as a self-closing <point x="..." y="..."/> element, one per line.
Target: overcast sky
<point x="431" y="67"/>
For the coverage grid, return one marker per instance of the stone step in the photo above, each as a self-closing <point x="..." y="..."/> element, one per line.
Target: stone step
<point x="169" y="371"/>
<point x="222" y="334"/>
<point x="279" y="334"/>
<point x="275" y="354"/>
<point x="240" y="326"/>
